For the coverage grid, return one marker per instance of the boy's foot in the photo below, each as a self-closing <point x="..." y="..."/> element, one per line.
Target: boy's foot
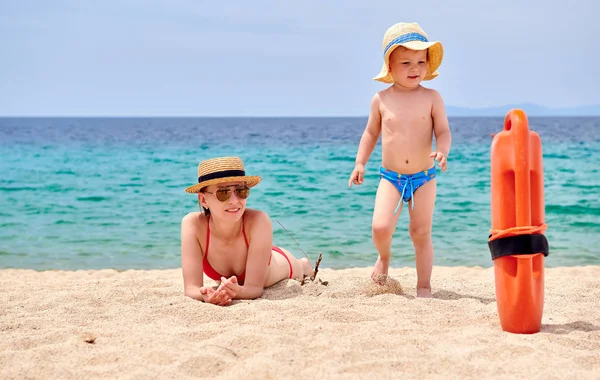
<point x="379" y="279"/>
<point x="424" y="292"/>
<point x="380" y="272"/>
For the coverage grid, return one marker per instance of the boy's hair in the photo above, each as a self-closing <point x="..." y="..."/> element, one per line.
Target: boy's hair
<point x="405" y="48"/>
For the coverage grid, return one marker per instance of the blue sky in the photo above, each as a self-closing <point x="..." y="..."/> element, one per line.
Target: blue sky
<point x="291" y="58"/>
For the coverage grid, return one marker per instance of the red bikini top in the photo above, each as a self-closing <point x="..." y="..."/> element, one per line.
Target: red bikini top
<point x="208" y="269"/>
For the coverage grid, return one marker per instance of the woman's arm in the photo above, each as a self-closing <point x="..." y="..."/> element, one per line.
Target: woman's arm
<point x="259" y="253"/>
<point x="191" y="257"/>
<point x="191" y="264"/>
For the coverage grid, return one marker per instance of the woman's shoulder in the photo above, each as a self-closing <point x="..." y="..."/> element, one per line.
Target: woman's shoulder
<point x="255" y="217"/>
<point x="254" y="214"/>
<point x="194" y="219"/>
<point x="257" y="223"/>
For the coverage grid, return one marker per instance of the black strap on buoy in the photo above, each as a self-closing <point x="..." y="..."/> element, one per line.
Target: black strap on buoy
<point x="526" y="244"/>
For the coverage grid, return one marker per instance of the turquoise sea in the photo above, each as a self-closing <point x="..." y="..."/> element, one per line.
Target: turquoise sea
<point x="89" y="193"/>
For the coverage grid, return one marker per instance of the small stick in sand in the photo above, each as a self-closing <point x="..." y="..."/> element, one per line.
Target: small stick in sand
<point x="314" y="273"/>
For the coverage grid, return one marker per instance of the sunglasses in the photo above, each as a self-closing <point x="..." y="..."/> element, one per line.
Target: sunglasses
<point x="224" y="194"/>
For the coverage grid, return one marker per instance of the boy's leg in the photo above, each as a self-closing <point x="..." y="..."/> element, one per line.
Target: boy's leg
<point x="384" y="224"/>
<point x="421" y="219"/>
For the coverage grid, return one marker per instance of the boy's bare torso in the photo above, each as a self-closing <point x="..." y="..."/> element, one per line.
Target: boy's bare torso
<point x="406" y="129"/>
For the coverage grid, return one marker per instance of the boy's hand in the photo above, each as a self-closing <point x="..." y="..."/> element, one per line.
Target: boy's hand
<point x="357" y="175"/>
<point x="441" y="158"/>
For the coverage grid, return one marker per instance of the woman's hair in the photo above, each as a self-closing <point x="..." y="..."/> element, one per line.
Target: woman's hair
<point x="204" y="209"/>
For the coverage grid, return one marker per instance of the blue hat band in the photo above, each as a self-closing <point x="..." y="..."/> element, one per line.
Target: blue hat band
<point x="403" y="39"/>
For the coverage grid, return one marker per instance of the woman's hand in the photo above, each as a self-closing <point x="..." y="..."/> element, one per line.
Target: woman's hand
<point x="216" y="297"/>
<point x="230" y="286"/>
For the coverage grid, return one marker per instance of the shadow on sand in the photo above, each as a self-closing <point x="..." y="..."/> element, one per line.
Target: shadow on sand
<point x="449" y="295"/>
<point x="566" y="328"/>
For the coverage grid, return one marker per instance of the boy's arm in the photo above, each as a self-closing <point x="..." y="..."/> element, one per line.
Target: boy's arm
<point x="371" y="134"/>
<point x="441" y="128"/>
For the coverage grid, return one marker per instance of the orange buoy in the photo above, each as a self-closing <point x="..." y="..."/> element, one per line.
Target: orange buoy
<point x="517" y="243"/>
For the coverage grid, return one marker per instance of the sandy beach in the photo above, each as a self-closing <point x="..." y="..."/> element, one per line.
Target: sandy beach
<point x="138" y="325"/>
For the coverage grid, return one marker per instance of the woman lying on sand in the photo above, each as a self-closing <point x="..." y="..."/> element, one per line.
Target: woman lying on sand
<point x="241" y="257"/>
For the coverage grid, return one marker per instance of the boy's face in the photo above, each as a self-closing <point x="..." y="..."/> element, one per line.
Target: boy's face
<point x="408" y="67"/>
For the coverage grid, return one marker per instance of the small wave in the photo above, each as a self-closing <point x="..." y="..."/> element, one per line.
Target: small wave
<point x="92" y="199"/>
<point x="14" y="189"/>
<point x="274" y="193"/>
<point x="555" y="155"/>
<point x="11" y="224"/>
<point x="61" y="221"/>
<point x="591" y="225"/>
<point x="580" y="186"/>
<point x="572" y="210"/>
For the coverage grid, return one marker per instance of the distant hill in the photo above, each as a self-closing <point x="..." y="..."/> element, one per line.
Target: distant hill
<point x="530" y="110"/>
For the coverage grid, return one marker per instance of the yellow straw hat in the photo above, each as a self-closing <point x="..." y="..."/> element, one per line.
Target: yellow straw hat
<point x="411" y="36"/>
<point x="220" y="170"/>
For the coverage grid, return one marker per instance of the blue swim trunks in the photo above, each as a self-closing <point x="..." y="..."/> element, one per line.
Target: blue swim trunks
<point x="407" y="184"/>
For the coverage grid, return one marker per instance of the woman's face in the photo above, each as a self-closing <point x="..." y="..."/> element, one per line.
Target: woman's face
<point x="225" y="200"/>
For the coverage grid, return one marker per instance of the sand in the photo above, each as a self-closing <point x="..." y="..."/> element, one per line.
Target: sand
<point x="138" y="325"/>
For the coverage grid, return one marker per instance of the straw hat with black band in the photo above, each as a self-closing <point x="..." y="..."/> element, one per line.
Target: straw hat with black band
<point x="220" y="170"/>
